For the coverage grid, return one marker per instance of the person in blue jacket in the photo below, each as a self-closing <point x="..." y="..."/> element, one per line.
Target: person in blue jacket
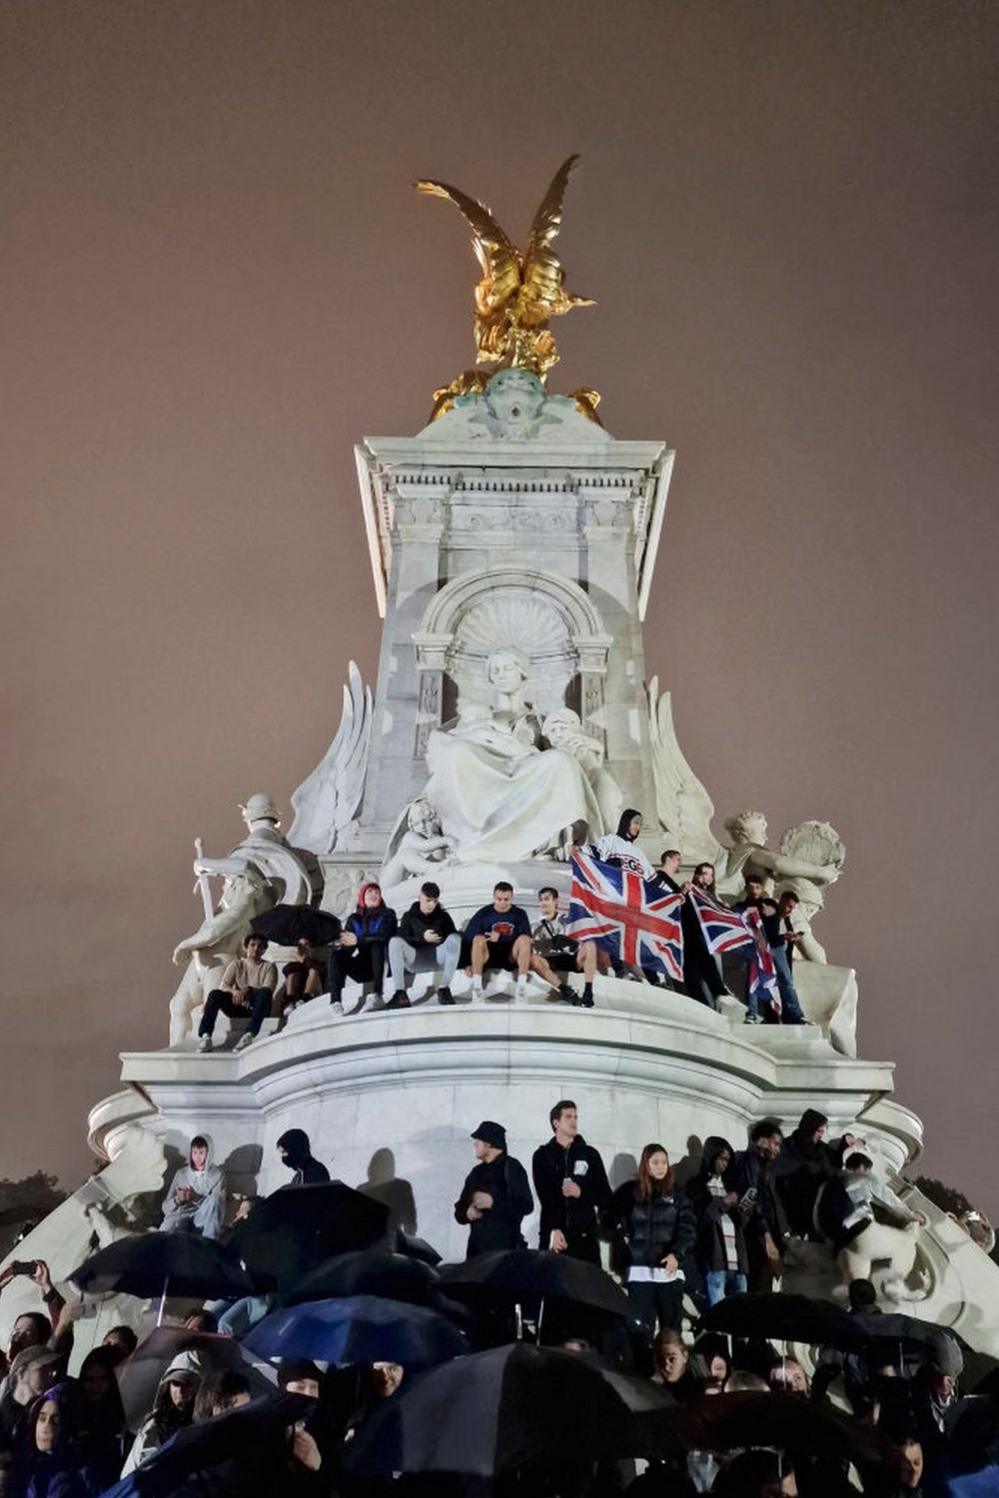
<point x="360" y="953"/>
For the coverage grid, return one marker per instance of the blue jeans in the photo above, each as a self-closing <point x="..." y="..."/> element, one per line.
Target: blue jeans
<point x="724" y="1282"/>
<point x="790" y="1004"/>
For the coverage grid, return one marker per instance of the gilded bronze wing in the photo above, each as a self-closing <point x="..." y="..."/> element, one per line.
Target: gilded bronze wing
<point x="498" y="258"/>
<point x="542" y="272"/>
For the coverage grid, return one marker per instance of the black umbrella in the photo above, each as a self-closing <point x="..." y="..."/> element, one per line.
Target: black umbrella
<point x="925" y="1339"/>
<point x="294" y="1230"/>
<point x="149" y="1264"/>
<point x="368" y="1272"/>
<point x="785" y="1318"/>
<point x="287" y="924"/>
<point x="357" y="1329"/>
<point x="252" y="1438"/>
<point x="496" y="1411"/>
<point x="416" y="1248"/>
<point x="519" y="1274"/>
<point x="789" y="1422"/>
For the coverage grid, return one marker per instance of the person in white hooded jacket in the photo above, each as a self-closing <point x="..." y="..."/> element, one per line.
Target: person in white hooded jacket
<point x="195" y="1200"/>
<point x="173" y="1408"/>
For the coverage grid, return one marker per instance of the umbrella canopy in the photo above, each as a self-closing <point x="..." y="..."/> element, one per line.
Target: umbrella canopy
<point x="358" y="1329"/>
<point x="287" y="924"/>
<point x="139" y="1376"/>
<point x="785" y="1318"/>
<point x="496" y="1411"/>
<point x="294" y="1230"/>
<point x="416" y="1248"/>
<point x="789" y="1422"/>
<point x="368" y="1272"/>
<point x="150" y="1264"/>
<point x="252" y="1437"/>
<point x="923" y="1337"/>
<point x="521" y="1273"/>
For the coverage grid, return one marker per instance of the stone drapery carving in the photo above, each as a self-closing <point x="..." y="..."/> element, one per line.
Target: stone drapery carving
<point x="327" y="802"/>
<point x="563" y="730"/>
<point x="497" y="793"/>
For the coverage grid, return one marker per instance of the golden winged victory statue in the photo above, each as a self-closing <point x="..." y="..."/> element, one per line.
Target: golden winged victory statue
<point x="519" y="293"/>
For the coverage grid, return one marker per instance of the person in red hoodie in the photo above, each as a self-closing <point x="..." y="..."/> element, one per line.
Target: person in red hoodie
<point x="361" y="950"/>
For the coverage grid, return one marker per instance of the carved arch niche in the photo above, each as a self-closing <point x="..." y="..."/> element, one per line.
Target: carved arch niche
<point x="549" y="618"/>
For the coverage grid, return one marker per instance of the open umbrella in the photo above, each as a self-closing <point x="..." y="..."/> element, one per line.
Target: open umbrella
<point x="496" y="1411"/>
<point x="789" y="1422"/>
<point x="357" y="1329"/>
<point x="252" y="1438"/>
<point x="368" y="1272"/>
<point x="785" y="1318"/>
<point x="139" y="1375"/>
<point x="294" y="1230"/>
<point x="519" y="1274"/>
<point x="902" y="1334"/>
<point x="150" y="1264"/>
<point x="416" y="1248"/>
<point x="287" y="924"/>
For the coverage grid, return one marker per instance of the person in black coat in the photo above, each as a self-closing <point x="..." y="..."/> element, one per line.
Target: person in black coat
<point x="296" y="1152"/>
<point x="658" y="1226"/>
<point x="571" y="1186"/>
<point x="701" y="977"/>
<point x="721" y="1243"/>
<point x="749" y="1176"/>
<point x="496" y="1196"/>
<point x="362" y="949"/>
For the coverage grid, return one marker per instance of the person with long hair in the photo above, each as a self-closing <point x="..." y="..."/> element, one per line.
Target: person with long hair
<point x="657" y="1227"/>
<point x="103" y="1439"/>
<point x="48" y="1463"/>
<point x="173" y="1409"/>
<point x="361" y="950"/>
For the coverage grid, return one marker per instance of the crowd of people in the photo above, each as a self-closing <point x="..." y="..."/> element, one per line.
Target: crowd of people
<point x="377" y="947"/>
<point x="677" y="1250"/>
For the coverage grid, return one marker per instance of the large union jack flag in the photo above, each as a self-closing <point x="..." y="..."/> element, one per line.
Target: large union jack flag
<point x="635" y="920"/>
<point x="728" y="930"/>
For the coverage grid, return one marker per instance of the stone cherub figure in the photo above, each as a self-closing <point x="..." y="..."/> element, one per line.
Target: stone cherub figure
<point x="419" y="849"/>
<point x="262" y="871"/>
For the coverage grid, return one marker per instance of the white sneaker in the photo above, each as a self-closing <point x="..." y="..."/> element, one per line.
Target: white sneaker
<point x="476" y="990"/>
<point x="337" y="1007"/>
<point x="244" y="1041"/>
<point x="204" y="1042"/>
<point x="520" y="992"/>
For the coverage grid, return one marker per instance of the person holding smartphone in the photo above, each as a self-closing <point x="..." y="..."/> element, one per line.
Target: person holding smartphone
<point x="571" y="1186"/>
<point x="749" y="1177"/>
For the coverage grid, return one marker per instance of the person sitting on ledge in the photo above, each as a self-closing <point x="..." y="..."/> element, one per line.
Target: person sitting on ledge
<point x="246" y="988"/>
<point x="498" y="935"/>
<point x="556" y="952"/>
<point x="195" y="1200"/>
<point x="295" y="1149"/>
<point x="302" y="978"/>
<point x="361" y="951"/>
<point x="427" y="939"/>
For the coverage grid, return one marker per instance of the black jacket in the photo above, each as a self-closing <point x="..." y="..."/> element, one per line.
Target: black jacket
<point x="802" y="1167"/>
<point x="710" y="1211"/>
<point x="298" y="1157"/>
<point x="505" y="1180"/>
<point x="414" y="925"/>
<point x="653" y="1228"/>
<point x="750" y="1173"/>
<point x="571" y="1214"/>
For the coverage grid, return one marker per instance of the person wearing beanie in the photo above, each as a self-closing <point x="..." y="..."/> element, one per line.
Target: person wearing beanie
<point x="496" y="1196"/>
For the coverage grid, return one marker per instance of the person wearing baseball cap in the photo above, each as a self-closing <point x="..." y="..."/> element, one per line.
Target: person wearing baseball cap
<point x="496" y="1196"/>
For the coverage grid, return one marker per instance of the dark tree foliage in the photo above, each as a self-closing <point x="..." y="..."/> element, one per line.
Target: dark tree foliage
<point x="947" y="1198"/>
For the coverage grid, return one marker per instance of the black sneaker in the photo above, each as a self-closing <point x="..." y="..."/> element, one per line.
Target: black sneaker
<point x="585" y="1001"/>
<point x="399" y="1000"/>
<point x="445" y="996"/>
<point x="566" y="993"/>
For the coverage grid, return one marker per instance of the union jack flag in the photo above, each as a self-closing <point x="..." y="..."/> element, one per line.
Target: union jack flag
<point x="728" y="930"/>
<point x="635" y="920"/>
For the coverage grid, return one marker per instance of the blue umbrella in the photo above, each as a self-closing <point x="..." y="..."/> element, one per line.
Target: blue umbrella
<point x="357" y="1329"/>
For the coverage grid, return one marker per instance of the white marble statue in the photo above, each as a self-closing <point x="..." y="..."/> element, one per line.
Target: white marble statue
<point x="328" y="800"/>
<point x="564" y="730"/>
<point x="498" y="794"/>
<point x="811" y="856"/>
<point x="515" y="404"/>
<point x="683" y="806"/>
<point x="416" y="847"/>
<point x="263" y="871"/>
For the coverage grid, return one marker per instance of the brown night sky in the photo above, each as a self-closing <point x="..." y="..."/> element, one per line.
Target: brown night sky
<point x="216" y="277"/>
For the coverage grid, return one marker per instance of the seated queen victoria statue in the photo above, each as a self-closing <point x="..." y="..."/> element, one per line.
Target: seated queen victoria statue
<point x="499" y="795"/>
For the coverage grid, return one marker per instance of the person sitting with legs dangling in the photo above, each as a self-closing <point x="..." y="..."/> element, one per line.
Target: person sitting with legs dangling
<point x="556" y="952"/>
<point x="361" y="950"/>
<point x="245" y="991"/>
<point x="499" y="935"/>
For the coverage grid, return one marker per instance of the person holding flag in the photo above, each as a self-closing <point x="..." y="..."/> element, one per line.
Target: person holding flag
<point x="629" y="915"/>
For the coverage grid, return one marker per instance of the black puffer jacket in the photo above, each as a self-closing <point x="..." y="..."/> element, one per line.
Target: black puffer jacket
<point x="711" y="1211"/>
<point x="652" y="1228"/>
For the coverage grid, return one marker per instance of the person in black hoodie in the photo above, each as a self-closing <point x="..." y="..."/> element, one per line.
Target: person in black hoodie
<point x="571" y="1187"/>
<point x="296" y="1152"/>
<point x="427" y="939"/>
<point x="806" y="1161"/>
<point x="721" y="1243"/>
<point x="658" y="1227"/>
<point x="361" y="950"/>
<point x="496" y="1196"/>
